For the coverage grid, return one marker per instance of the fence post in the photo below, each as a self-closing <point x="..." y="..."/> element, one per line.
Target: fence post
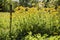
<point x="10" y="20"/>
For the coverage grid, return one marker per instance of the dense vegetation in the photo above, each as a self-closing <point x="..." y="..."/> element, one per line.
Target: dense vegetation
<point x="31" y="20"/>
<point x="31" y="24"/>
<point x="5" y="4"/>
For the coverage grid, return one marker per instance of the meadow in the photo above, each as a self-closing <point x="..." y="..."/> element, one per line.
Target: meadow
<point x="31" y="24"/>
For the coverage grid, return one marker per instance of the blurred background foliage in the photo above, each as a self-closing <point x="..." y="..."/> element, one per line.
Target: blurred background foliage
<point x="4" y="4"/>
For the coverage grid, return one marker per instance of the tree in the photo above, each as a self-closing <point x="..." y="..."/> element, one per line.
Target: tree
<point x="5" y="5"/>
<point x="58" y="2"/>
<point x="24" y="2"/>
<point x="27" y="2"/>
<point x="1" y="5"/>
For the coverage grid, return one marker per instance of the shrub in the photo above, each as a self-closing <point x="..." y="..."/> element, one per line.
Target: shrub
<point x="43" y="21"/>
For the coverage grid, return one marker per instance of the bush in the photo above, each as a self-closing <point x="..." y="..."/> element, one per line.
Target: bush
<point x="40" y="37"/>
<point x="43" y="21"/>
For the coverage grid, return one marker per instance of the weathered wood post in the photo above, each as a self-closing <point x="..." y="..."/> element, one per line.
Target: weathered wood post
<point x="10" y="19"/>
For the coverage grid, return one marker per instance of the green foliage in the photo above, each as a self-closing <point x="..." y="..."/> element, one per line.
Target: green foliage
<point x="58" y="2"/>
<point x="27" y="3"/>
<point x="5" y="4"/>
<point x="25" y="24"/>
<point x="40" y="37"/>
